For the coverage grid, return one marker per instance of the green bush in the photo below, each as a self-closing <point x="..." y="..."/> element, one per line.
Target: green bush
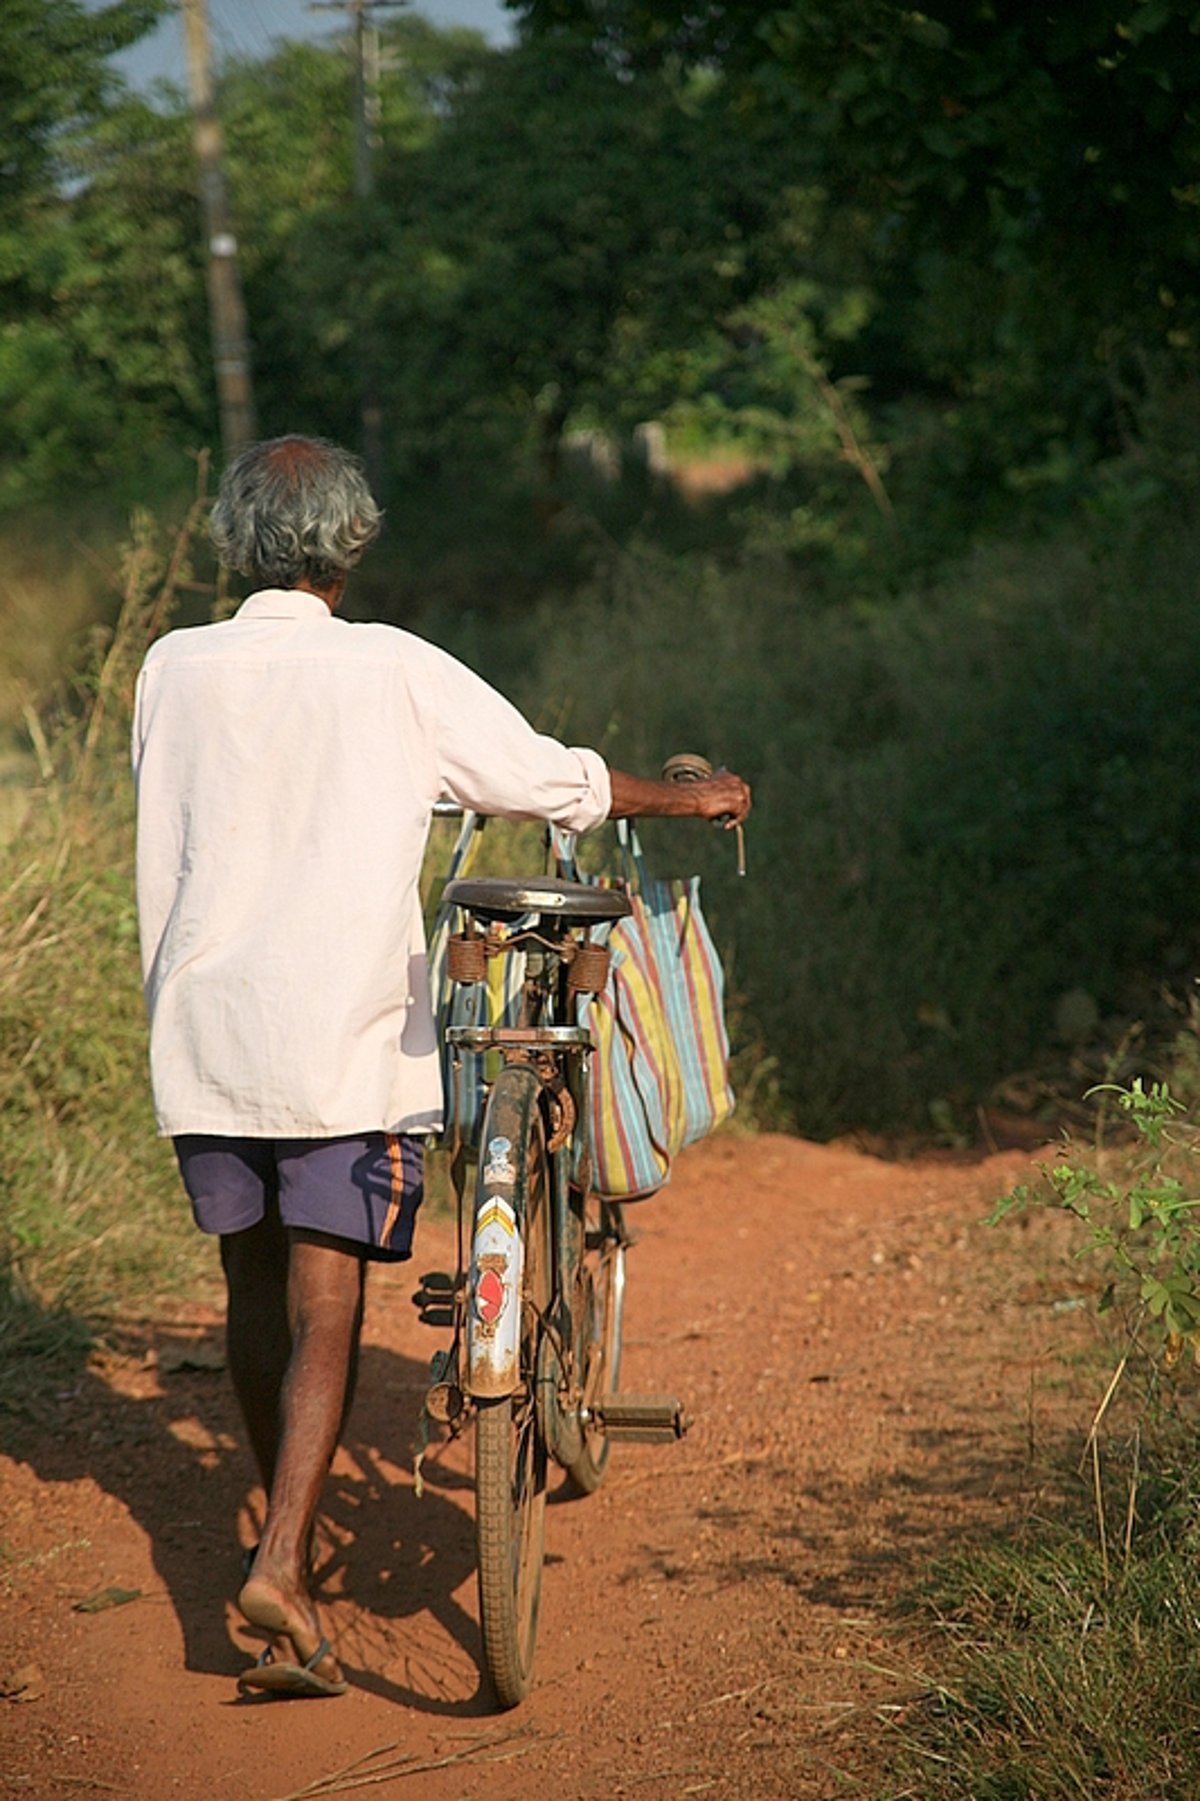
<point x="972" y="798"/>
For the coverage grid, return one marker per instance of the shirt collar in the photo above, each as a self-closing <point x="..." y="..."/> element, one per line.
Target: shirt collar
<point x="283" y="603"/>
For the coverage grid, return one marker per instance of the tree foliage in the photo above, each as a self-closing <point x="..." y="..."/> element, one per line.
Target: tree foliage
<point x="55" y="82"/>
<point x="809" y="228"/>
<point x="96" y="279"/>
<point x="1032" y="174"/>
<point x="568" y="229"/>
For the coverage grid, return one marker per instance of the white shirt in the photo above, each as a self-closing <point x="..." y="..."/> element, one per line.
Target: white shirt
<point x="286" y="764"/>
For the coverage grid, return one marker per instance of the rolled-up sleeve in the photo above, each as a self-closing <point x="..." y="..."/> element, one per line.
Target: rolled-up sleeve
<point x="491" y="759"/>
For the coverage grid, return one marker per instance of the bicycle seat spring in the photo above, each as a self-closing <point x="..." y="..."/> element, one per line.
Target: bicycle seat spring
<point x="466" y="958"/>
<point x="588" y="972"/>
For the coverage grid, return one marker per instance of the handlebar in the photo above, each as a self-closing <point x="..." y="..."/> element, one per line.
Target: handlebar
<point x="685" y="766"/>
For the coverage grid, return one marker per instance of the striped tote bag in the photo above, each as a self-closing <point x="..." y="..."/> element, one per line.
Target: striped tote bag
<point x="659" y="1078"/>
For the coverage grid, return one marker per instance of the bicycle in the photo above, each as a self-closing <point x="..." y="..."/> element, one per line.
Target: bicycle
<point x="537" y="1308"/>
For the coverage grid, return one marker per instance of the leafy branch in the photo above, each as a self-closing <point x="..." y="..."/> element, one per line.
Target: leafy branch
<point x="1144" y="1224"/>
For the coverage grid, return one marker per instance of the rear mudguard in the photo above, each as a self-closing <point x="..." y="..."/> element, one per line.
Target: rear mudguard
<point x="497" y="1235"/>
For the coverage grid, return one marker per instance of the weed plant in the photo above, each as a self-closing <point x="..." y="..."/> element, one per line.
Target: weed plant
<point x="1066" y="1659"/>
<point x="1141" y="1223"/>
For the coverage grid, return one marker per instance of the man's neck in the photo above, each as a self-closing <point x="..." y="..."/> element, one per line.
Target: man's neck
<point x="331" y="595"/>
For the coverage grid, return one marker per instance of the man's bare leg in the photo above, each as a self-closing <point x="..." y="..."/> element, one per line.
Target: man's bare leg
<point x="258" y="1338"/>
<point x="324" y="1316"/>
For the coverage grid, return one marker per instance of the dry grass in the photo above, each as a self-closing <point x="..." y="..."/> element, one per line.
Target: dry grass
<point x="93" y="1222"/>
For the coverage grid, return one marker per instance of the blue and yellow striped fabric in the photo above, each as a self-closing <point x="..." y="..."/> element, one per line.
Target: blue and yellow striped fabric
<point x="494" y="1002"/>
<point x="659" y="1077"/>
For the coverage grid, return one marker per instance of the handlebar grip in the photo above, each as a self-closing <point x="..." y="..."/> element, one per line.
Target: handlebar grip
<point x="688" y="766"/>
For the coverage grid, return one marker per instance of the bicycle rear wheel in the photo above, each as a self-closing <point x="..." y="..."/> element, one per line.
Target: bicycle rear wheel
<point x="598" y="1313"/>
<point x="510" y="1450"/>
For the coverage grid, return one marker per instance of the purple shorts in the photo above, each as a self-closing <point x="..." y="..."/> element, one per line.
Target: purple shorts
<point x="366" y="1188"/>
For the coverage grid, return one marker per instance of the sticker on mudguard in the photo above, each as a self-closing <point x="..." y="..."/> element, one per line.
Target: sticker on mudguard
<point x="499" y="1165"/>
<point x="494" y="1315"/>
<point x="497" y="1213"/>
<point x="491" y="1290"/>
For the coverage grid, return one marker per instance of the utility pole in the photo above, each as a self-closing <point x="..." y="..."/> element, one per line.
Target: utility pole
<point x="366" y="142"/>
<point x="227" y="314"/>
<point x="366" y="80"/>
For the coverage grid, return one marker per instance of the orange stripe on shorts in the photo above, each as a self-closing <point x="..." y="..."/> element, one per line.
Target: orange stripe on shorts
<point x="396" y="1160"/>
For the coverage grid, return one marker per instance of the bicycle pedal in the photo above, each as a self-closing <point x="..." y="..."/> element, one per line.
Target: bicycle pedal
<point x="651" y="1419"/>
<point x="434" y="1299"/>
<point x="600" y="1241"/>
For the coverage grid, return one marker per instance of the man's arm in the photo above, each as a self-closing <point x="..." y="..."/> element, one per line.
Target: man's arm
<point x="719" y="796"/>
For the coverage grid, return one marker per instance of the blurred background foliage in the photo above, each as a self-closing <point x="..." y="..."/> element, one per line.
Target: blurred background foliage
<point x="908" y="301"/>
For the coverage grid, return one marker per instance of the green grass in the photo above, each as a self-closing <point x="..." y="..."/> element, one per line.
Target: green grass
<point x="1066" y="1658"/>
<point x="1053" y="1684"/>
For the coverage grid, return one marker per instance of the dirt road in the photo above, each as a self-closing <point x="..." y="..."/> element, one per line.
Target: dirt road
<point x="867" y="1365"/>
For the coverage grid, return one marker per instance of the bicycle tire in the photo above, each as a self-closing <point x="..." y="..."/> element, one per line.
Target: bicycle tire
<point x="510" y="1451"/>
<point x="599" y="1313"/>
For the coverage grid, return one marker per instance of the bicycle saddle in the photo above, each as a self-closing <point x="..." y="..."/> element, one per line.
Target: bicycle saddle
<point x="495" y="897"/>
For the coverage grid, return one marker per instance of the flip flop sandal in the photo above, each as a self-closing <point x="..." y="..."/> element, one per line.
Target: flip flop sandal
<point x="276" y="1678"/>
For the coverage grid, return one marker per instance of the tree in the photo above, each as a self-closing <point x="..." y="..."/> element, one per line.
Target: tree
<point x="314" y="259"/>
<point x="97" y="364"/>
<point x="569" y="230"/>
<point x="1033" y="174"/>
<point x="104" y="358"/>
<point x="55" y="82"/>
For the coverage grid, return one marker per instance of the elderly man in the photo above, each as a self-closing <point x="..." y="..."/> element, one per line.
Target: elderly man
<point x="286" y="764"/>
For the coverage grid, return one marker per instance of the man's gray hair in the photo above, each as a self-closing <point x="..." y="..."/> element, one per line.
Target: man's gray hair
<point x="293" y="510"/>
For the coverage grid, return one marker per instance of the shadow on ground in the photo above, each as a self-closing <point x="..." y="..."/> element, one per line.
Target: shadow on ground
<point x="153" y="1422"/>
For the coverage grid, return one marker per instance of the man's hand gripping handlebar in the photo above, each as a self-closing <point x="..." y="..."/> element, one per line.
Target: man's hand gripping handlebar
<point x="690" y="788"/>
